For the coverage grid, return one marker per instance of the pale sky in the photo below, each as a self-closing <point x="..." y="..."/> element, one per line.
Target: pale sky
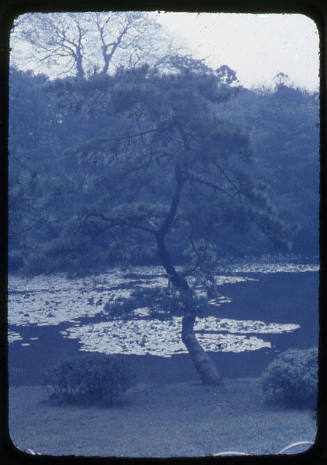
<point x="257" y="47"/>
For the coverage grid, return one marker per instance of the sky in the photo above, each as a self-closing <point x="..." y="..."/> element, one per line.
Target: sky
<point x="256" y="46"/>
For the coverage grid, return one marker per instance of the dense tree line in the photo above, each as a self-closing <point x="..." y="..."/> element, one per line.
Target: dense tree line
<point x="285" y="139"/>
<point x="107" y="145"/>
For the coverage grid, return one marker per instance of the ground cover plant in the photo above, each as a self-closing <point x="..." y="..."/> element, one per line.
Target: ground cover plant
<point x="88" y="379"/>
<point x="292" y="378"/>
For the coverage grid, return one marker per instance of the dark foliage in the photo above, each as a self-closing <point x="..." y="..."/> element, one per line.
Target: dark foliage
<point x="89" y="379"/>
<point x="161" y="303"/>
<point x="291" y="379"/>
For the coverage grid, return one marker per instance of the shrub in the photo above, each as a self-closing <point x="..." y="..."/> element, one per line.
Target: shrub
<point x="88" y="379"/>
<point x="161" y="301"/>
<point x="291" y="379"/>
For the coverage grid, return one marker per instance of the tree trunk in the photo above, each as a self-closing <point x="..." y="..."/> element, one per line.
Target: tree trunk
<point x="201" y="360"/>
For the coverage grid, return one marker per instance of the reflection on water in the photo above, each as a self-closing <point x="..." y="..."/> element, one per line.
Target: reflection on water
<point x="52" y="300"/>
<point x="13" y="336"/>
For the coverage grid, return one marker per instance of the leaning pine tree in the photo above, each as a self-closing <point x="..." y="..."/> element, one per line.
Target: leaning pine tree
<point x="169" y="175"/>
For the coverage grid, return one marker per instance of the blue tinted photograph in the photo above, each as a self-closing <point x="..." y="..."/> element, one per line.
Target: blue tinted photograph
<point x="163" y="242"/>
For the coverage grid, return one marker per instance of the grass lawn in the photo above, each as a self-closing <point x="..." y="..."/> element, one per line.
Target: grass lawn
<point x="160" y="420"/>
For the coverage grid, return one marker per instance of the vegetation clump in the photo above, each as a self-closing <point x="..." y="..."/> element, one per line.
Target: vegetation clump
<point x="291" y="379"/>
<point x="158" y="300"/>
<point x="161" y="302"/>
<point x="89" y="379"/>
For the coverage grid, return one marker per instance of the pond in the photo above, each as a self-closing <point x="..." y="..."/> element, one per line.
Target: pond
<point x="261" y="309"/>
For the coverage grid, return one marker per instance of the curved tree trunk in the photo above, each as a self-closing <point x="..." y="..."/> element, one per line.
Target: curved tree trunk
<point x="201" y="360"/>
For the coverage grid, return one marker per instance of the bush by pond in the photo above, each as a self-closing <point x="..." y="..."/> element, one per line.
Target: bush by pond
<point x="89" y="379"/>
<point x="291" y="379"/>
<point x="161" y="302"/>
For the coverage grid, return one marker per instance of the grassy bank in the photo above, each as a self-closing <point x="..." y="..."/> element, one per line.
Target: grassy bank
<point x="159" y="420"/>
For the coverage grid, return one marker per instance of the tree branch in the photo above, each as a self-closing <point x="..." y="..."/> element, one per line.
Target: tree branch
<point x="191" y="270"/>
<point x="227" y="177"/>
<point x="120" y="139"/>
<point x="193" y="178"/>
<point x="116" y="221"/>
<point x="166" y="224"/>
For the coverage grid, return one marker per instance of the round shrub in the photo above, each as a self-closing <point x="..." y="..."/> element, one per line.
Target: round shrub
<point x="88" y="379"/>
<point x="291" y="379"/>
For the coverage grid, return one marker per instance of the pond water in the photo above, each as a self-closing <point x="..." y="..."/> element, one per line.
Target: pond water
<point x="76" y="307"/>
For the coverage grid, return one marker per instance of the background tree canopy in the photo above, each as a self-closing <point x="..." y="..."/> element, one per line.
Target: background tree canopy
<point x="95" y="165"/>
<point x="88" y="44"/>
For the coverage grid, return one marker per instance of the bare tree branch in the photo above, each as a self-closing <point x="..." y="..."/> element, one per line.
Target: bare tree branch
<point x="95" y="42"/>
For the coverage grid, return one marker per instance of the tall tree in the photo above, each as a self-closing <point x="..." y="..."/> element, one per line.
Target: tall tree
<point x="170" y="176"/>
<point x="84" y="44"/>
